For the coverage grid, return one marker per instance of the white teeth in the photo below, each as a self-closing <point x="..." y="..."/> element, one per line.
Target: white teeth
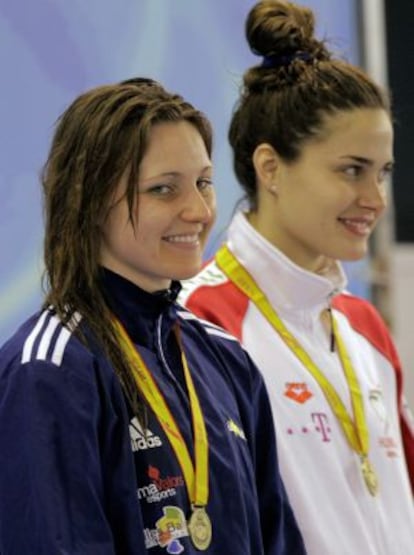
<point x="358" y="226"/>
<point x="182" y="238"/>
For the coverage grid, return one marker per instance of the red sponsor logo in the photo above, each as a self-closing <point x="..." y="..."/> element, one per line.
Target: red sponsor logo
<point x="390" y="446"/>
<point x="298" y="392"/>
<point x="164" y="483"/>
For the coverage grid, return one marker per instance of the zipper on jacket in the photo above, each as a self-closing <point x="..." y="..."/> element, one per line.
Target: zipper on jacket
<point x="180" y="386"/>
<point x="161" y="351"/>
<point x="331" y="328"/>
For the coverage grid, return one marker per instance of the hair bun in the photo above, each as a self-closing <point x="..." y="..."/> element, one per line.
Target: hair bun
<point x="274" y="27"/>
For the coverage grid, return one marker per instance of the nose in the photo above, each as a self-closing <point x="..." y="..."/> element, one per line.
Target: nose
<point x="199" y="207"/>
<point x="373" y="194"/>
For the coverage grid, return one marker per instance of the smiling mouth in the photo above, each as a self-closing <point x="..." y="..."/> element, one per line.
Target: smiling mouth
<point x="183" y="239"/>
<point x="358" y="227"/>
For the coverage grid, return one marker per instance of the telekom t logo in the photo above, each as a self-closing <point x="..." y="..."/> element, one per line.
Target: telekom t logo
<point x="321" y="425"/>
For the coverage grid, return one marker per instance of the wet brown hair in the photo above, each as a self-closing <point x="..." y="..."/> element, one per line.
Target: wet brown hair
<point x="101" y="134"/>
<point x="285" y="99"/>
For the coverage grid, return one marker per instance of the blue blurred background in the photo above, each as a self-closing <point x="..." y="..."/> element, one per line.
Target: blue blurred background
<point x="52" y="50"/>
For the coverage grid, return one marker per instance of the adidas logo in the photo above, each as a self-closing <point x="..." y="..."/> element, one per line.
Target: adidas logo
<point x="140" y="439"/>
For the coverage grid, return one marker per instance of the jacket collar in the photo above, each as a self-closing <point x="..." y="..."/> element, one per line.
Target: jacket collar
<point x="137" y="309"/>
<point x="287" y="286"/>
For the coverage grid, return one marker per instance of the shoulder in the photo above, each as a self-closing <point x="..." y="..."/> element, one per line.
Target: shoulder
<point x="206" y="330"/>
<point x="212" y="296"/>
<point x="44" y="341"/>
<point x="361" y="313"/>
<point x="211" y="345"/>
<point x="210" y="276"/>
<point x="216" y="343"/>
<point x="365" y="319"/>
<point x="206" y="336"/>
<point x="46" y="362"/>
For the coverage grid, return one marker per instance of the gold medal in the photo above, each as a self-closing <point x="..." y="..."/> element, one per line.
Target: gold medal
<point x="370" y="476"/>
<point x="199" y="527"/>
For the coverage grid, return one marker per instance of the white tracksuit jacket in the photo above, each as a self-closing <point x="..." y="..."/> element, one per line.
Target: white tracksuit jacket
<point x="336" y="513"/>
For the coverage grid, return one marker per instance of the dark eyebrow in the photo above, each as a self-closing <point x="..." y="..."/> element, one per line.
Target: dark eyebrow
<point x="365" y="161"/>
<point x="176" y="174"/>
<point x="359" y="159"/>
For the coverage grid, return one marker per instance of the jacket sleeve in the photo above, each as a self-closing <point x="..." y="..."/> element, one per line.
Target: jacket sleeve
<point x="280" y="531"/>
<point x="52" y="497"/>
<point x="407" y="431"/>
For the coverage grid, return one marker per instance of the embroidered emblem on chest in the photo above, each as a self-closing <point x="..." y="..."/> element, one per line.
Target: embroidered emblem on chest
<point x="168" y="531"/>
<point x="386" y="441"/>
<point x="320" y="425"/>
<point x="377" y="403"/>
<point x="160" y="488"/>
<point x="141" y="439"/>
<point x="235" y="429"/>
<point x="298" y="392"/>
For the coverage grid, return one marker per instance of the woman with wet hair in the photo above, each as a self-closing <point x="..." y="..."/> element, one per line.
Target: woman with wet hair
<point x="312" y="140"/>
<point x="127" y="425"/>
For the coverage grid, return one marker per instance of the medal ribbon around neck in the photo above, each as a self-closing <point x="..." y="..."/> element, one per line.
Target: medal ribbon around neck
<point x="195" y="476"/>
<point x="355" y="432"/>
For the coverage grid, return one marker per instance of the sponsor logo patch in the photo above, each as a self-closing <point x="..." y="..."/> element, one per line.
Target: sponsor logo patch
<point x="159" y="488"/>
<point x="235" y="429"/>
<point x="298" y="392"/>
<point x="142" y="439"/>
<point x="320" y="425"/>
<point x="168" y="530"/>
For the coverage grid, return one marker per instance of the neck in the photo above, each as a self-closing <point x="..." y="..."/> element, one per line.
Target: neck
<point x="265" y="226"/>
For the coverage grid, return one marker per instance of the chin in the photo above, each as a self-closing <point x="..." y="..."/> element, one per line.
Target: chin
<point x="354" y="251"/>
<point x="188" y="273"/>
<point x="354" y="256"/>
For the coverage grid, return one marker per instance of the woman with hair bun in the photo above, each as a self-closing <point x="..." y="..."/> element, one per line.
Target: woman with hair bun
<point x="312" y="139"/>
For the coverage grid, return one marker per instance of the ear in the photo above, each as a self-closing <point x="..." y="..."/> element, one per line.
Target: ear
<point x="266" y="163"/>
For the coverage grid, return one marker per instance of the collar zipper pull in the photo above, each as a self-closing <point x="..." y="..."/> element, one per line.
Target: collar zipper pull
<point x="331" y="334"/>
